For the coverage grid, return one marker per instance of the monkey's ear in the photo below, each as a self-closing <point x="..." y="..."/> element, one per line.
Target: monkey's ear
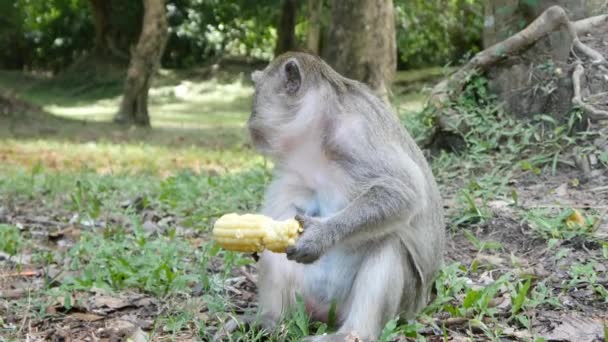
<point x="293" y="76"/>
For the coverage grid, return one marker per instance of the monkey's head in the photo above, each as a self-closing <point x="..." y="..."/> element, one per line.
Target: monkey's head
<point x="288" y="93"/>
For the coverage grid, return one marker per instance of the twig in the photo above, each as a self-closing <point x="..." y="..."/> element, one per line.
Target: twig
<point x="599" y="189"/>
<point x="550" y="206"/>
<point x="20" y="274"/>
<point x="452" y="321"/>
<point x="599" y="220"/>
<point x="248" y="275"/>
<point x="44" y="222"/>
<point x="25" y="315"/>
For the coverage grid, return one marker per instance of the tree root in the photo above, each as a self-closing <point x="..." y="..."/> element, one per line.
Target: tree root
<point x="594" y="113"/>
<point x="599" y="23"/>
<point x="550" y="20"/>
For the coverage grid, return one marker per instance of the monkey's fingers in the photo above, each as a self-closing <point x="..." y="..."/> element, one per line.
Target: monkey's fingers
<point x="303" y="220"/>
<point x="300" y="255"/>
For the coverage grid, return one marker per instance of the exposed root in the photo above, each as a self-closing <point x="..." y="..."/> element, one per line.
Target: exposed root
<point x="549" y="21"/>
<point x="599" y="23"/>
<point x="594" y="113"/>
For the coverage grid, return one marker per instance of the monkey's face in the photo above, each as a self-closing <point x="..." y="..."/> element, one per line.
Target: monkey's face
<point x="278" y="91"/>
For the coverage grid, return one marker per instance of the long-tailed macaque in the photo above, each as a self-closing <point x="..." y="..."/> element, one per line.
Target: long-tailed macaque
<point x="346" y="168"/>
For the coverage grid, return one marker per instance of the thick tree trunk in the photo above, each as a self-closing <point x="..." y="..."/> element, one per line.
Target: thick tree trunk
<point x="145" y="60"/>
<point x="361" y="42"/>
<point x="313" y="35"/>
<point x="286" y="29"/>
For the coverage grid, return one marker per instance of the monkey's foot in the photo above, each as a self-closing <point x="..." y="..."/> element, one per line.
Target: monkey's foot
<point x="234" y="323"/>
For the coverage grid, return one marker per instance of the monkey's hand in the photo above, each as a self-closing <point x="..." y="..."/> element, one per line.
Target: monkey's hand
<point x="311" y="244"/>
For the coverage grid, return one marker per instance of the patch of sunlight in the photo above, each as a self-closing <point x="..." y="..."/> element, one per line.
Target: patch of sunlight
<point x="98" y="111"/>
<point x="189" y="104"/>
<point x="410" y="103"/>
<point x="418" y="75"/>
<point x="109" y="158"/>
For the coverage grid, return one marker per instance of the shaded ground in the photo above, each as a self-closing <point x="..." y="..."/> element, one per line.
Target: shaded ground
<point x="103" y="236"/>
<point x="573" y="310"/>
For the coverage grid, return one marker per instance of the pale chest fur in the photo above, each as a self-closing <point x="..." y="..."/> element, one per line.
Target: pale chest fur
<point x="330" y="277"/>
<point x="327" y="184"/>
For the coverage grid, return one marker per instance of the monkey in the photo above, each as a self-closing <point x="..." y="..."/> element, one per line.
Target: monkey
<point x="362" y="190"/>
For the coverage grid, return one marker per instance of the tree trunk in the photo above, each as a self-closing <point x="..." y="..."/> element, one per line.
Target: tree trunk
<point x="361" y="42"/>
<point x="313" y="35"/>
<point x="286" y="29"/>
<point x="145" y="60"/>
<point x="106" y="45"/>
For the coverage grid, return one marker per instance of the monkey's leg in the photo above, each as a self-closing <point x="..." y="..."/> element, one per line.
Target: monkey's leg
<point x="278" y="282"/>
<point x="383" y="281"/>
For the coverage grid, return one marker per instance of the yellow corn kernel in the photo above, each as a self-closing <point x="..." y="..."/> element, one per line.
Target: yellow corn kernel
<point x="254" y="233"/>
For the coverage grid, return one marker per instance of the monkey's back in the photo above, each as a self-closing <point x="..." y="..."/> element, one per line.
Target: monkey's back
<point x="423" y="235"/>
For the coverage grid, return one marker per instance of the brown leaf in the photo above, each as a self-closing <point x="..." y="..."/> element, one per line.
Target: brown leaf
<point x="114" y="303"/>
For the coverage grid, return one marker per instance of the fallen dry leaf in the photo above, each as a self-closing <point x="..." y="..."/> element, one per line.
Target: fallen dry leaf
<point x="494" y="260"/>
<point x="104" y="301"/>
<point x="576" y="218"/>
<point x="576" y="328"/>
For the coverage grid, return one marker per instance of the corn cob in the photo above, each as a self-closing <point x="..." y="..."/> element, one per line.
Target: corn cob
<point x="254" y="233"/>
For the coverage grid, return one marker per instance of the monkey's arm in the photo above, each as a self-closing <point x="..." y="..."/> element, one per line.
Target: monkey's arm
<point x="384" y="198"/>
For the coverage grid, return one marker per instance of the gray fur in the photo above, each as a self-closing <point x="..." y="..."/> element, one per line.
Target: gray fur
<point x="373" y="221"/>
